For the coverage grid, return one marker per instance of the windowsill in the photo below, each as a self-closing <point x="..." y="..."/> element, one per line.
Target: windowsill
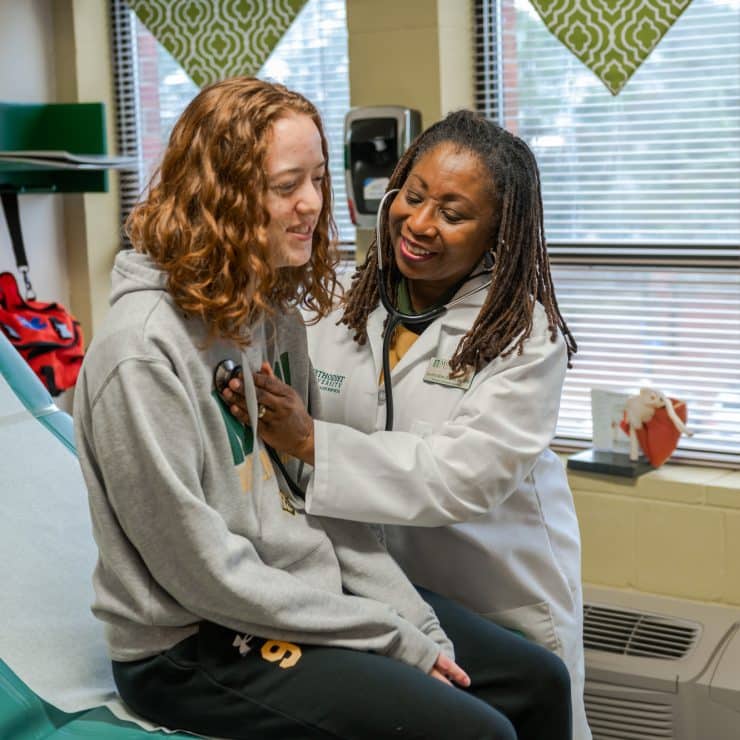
<point x="686" y="484"/>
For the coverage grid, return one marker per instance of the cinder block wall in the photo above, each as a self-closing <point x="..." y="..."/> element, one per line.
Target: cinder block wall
<point x="674" y="531"/>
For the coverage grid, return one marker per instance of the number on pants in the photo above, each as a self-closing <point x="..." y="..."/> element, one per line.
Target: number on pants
<point x="286" y="652"/>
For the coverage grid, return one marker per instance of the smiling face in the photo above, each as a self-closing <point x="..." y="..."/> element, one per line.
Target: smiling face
<point x="295" y="169"/>
<point x="441" y="222"/>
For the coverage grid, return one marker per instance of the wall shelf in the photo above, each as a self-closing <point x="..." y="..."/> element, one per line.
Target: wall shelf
<point x="77" y="128"/>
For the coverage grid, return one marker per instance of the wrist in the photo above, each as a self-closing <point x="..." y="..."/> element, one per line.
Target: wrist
<point x="305" y="449"/>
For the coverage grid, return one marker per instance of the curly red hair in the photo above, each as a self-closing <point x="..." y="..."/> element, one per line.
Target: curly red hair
<point x="204" y="221"/>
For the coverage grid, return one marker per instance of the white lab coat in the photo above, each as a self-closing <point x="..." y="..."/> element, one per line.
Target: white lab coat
<point x="494" y="523"/>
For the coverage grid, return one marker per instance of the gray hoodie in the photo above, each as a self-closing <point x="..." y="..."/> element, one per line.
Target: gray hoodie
<point x="192" y="522"/>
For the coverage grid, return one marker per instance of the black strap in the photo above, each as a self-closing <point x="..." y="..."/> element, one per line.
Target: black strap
<point x="10" y="207"/>
<point x="12" y="216"/>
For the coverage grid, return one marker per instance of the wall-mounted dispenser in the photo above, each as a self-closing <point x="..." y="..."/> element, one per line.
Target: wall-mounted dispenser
<point x="375" y="137"/>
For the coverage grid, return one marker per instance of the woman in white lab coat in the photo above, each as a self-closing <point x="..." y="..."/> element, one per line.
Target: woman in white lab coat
<point x="476" y="505"/>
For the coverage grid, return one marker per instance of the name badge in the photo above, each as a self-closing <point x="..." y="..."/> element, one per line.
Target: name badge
<point x="438" y="371"/>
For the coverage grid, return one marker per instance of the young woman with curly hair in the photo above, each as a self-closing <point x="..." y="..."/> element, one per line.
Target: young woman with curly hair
<point x="229" y="611"/>
<point x="476" y="506"/>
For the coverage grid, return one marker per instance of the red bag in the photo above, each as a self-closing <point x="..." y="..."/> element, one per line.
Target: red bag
<point x="48" y="337"/>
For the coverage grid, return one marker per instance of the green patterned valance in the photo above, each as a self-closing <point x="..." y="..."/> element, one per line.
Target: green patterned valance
<point x="215" y="39"/>
<point x="611" y="37"/>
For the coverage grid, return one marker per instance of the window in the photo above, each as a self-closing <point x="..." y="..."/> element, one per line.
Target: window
<point x="641" y="195"/>
<point x="153" y="89"/>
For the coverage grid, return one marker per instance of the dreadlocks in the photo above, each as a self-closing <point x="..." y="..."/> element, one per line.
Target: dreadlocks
<point x="522" y="273"/>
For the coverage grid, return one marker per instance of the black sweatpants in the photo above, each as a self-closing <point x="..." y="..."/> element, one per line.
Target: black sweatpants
<point x="229" y="685"/>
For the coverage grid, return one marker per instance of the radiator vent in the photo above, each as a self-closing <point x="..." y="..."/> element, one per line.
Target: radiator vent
<point x="611" y="718"/>
<point x="634" y="633"/>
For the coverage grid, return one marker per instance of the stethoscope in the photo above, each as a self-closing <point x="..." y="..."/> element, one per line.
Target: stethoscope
<point x="396" y="317"/>
<point x="224" y="372"/>
<point x="228" y="369"/>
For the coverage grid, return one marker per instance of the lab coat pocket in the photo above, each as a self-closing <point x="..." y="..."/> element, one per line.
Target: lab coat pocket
<point x="534" y="621"/>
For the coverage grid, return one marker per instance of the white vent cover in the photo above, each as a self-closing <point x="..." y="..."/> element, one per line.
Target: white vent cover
<point x="636" y="633"/>
<point x="628" y="719"/>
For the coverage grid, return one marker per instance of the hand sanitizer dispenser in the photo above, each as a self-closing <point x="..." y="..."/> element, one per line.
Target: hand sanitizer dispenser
<point x="375" y="137"/>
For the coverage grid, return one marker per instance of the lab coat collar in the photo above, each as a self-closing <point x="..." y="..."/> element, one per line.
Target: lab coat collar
<point x="456" y="321"/>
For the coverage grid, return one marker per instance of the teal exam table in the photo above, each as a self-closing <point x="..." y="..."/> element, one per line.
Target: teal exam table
<point x="49" y="636"/>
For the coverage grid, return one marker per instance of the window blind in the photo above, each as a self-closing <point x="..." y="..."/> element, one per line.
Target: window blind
<point x="657" y="166"/>
<point x="311" y="58"/>
<point x="642" y="209"/>
<point x="672" y="329"/>
<point x="125" y="80"/>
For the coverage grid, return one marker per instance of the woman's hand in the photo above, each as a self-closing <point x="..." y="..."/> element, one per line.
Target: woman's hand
<point x="447" y="671"/>
<point x="284" y="422"/>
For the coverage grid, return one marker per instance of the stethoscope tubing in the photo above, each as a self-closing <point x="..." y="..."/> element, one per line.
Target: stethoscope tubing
<point x="227" y="369"/>
<point x="395" y="317"/>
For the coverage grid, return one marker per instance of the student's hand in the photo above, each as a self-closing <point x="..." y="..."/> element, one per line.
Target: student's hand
<point x="447" y="671"/>
<point x="284" y="423"/>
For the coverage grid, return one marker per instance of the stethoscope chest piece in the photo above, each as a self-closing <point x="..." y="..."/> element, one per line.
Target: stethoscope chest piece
<point x="223" y="373"/>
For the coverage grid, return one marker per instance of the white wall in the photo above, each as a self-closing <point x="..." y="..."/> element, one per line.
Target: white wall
<point x="27" y="75"/>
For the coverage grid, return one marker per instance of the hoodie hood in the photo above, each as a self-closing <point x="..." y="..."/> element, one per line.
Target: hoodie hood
<point x="133" y="272"/>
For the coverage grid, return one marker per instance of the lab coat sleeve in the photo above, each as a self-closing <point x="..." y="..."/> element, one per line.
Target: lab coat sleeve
<point x="469" y="464"/>
<point x="149" y="454"/>
<point x="362" y="556"/>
